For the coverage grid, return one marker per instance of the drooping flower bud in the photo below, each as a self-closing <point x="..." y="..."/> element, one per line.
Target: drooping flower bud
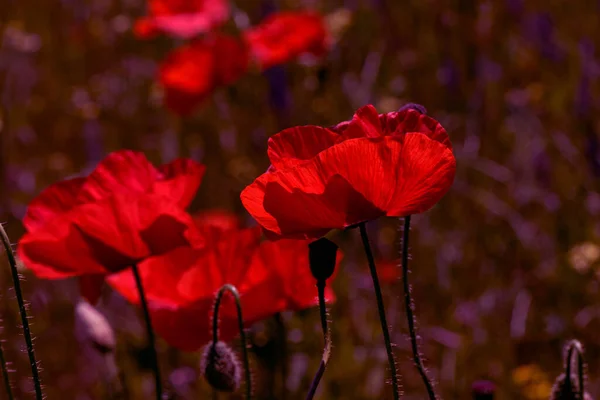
<point x="220" y="367"/>
<point x="413" y="106"/>
<point x="483" y="390"/>
<point x="322" y="254"/>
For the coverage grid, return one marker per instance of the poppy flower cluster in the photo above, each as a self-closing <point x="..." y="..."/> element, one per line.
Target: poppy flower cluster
<point x="127" y="212"/>
<point x="180" y="285"/>
<point x="211" y="59"/>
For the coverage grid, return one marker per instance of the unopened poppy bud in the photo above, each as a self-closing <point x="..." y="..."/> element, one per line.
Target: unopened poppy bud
<point x="322" y="254"/>
<point x="569" y="385"/>
<point x="483" y="390"/>
<point x="413" y="106"/>
<point x="220" y="367"/>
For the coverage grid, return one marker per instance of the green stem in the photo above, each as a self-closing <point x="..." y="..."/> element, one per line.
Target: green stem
<point x="409" y="312"/>
<point x="22" y="310"/>
<point x="232" y="289"/>
<point x="327" y="338"/>
<point x="149" y="331"/>
<point x="381" y="309"/>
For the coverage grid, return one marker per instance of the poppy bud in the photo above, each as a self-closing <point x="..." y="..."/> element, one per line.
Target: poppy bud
<point x="483" y="390"/>
<point x="322" y="254"/>
<point x="413" y="106"/>
<point x="567" y="389"/>
<point x="220" y="367"/>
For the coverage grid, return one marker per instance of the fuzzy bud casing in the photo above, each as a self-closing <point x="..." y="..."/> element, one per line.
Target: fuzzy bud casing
<point x="220" y="367"/>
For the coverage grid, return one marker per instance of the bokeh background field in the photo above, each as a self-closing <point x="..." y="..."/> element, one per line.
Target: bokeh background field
<point x="504" y="268"/>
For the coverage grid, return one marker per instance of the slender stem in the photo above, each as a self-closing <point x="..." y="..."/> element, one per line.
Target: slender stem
<point x="233" y="290"/>
<point x="409" y="312"/>
<point x="149" y="331"/>
<point x="574" y="345"/>
<point x="5" y="375"/>
<point x="381" y="309"/>
<point x="23" y="311"/>
<point x="282" y="336"/>
<point x="327" y="338"/>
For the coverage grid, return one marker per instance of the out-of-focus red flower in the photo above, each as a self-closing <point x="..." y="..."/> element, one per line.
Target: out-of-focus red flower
<point x="189" y="74"/>
<point x="393" y="164"/>
<point x="181" y="18"/>
<point x="388" y="271"/>
<point x="180" y="285"/>
<point x="124" y="211"/>
<point x="282" y="37"/>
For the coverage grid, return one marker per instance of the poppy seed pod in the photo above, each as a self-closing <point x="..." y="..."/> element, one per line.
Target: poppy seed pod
<point x="413" y="106"/>
<point x="220" y="367"/>
<point x="322" y="254"/>
<point x="483" y="390"/>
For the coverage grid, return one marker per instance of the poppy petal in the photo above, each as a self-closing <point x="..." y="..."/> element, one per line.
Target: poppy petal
<point x="364" y="123"/>
<point x="295" y="145"/>
<point x="180" y="180"/>
<point x="130" y="228"/>
<point x="91" y="287"/>
<point x="53" y="202"/>
<point x="122" y="171"/>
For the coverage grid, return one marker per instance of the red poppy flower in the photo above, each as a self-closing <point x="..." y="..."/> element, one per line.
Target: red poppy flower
<point x="190" y="73"/>
<point x="123" y="212"/>
<point x="282" y="37"/>
<point x="180" y="285"/>
<point x="393" y="164"/>
<point x="182" y="18"/>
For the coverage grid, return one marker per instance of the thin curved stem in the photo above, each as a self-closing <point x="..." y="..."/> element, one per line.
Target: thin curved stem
<point x="23" y="311"/>
<point x="233" y="290"/>
<point x="409" y="313"/>
<point x="149" y="332"/>
<point x="381" y="309"/>
<point x="9" y="393"/>
<point x="574" y="345"/>
<point x="282" y="336"/>
<point x="326" y="336"/>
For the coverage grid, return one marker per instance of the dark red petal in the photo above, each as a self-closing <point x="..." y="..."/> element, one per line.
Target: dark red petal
<point x="426" y="173"/>
<point x="231" y="58"/>
<point x="57" y="251"/>
<point x="188" y="75"/>
<point x="134" y="227"/>
<point x="281" y="37"/>
<point x="222" y="220"/>
<point x="179" y="181"/>
<point x="123" y="171"/>
<point x="53" y="202"/>
<point x="412" y="121"/>
<point x="145" y="28"/>
<point x="295" y="145"/>
<point x="91" y="287"/>
<point x="365" y="123"/>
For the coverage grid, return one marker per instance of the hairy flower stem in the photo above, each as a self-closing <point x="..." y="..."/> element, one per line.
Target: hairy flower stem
<point x="282" y="338"/>
<point x="22" y="310"/>
<point x="232" y="289"/>
<point x="326" y="336"/>
<point x="149" y="332"/>
<point x="409" y="312"/>
<point x="575" y="346"/>
<point x="9" y="393"/>
<point x="381" y="309"/>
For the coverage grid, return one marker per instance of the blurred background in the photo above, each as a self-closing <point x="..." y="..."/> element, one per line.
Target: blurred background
<point x="504" y="268"/>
